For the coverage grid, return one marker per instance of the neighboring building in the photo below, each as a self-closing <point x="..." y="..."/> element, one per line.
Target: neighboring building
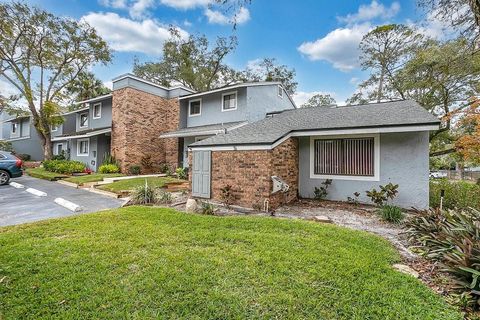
<point x="358" y="147"/>
<point x="22" y="134"/>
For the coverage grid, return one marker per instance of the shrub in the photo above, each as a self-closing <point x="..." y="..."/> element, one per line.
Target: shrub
<point x="227" y="196"/>
<point x="147" y="163"/>
<point x="23" y="156"/>
<point x="321" y="193"/>
<point x="451" y="237"/>
<point x="388" y="191"/>
<point x="6" y="146"/>
<point x="134" y="169"/>
<point x="164" y="168"/>
<point x="162" y="196"/>
<point x="64" y="166"/>
<point x="391" y="213"/>
<point x="109" y="159"/>
<point x="458" y="194"/>
<point x="144" y="194"/>
<point x="61" y="156"/>
<point x="208" y="209"/>
<point x="109" y="168"/>
<point x="354" y="199"/>
<point x="182" y="173"/>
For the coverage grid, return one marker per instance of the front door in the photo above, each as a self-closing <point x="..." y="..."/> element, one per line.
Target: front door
<point x="201" y="165"/>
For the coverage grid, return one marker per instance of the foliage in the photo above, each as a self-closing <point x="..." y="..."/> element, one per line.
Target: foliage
<point x="127" y="185"/>
<point x="191" y="61"/>
<point x="54" y="49"/>
<point x="64" y="166"/>
<point x="41" y="173"/>
<point x="23" y="156"/>
<point x="85" y="86"/>
<point x="61" y="156"/>
<point x="6" y="146"/>
<point x="388" y="191"/>
<point x="391" y="213"/>
<point x="162" y="196"/>
<point x="321" y="193"/>
<point x="110" y="159"/>
<point x="182" y="173"/>
<point x="208" y="208"/>
<point x="109" y="168"/>
<point x="451" y="237"/>
<point x="354" y="199"/>
<point x="146" y="163"/>
<point x="458" y="194"/>
<point x="94" y="177"/>
<point x="268" y="69"/>
<point x="134" y="169"/>
<point x="319" y="100"/>
<point x="226" y="195"/>
<point x="164" y="167"/>
<point x="468" y="144"/>
<point x="143" y="194"/>
<point x="236" y="267"/>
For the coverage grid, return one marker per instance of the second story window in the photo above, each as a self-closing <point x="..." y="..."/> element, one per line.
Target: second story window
<point x="54" y="128"/>
<point x="280" y="91"/>
<point x="14" y="127"/>
<point x="229" y="101"/>
<point x="84" y="120"/>
<point x="195" y="107"/>
<point x="97" y="111"/>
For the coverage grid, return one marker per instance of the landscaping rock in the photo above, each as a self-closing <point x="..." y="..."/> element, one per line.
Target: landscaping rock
<point x="191" y="205"/>
<point x="323" y="219"/>
<point x="407" y="270"/>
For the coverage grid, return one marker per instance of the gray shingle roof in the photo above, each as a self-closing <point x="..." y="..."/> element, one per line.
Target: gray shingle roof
<point x="199" y="130"/>
<point x="269" y="130"/>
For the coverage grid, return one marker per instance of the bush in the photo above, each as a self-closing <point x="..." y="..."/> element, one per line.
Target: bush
<point x="23" y="156"/>
<point x="64" y="166"/>
<point x="227" y="196"/>
<point x="182" y="173"/>
<point x="391" y="213"/>
<point x="147" y="163"/>
<point x="388" y="191"/>
<point x="109" y="159"/>
<point x="61" y="156"/>
<point x="146" y="194"/>
<point x="208" y="209"/>
<point x="109" y="168"/>
<point x="458" y="194"/>
<point x="134" y="169"/>
<point x="6" y="146"/>
<point x="162" y="196"/>
<point x="451" y="237"/>
<point x="321" y="193"/>
<point x="164" y="168"/>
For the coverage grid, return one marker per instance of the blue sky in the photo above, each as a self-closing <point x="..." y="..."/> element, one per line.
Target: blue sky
<point x="317" y="38"/>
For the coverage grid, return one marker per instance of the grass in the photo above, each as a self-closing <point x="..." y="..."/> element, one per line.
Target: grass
<point x="94" y="177"/>
<point x="458" y="194"/>
<point x="130" y="184"/>
<point x="150" y="263"/>
<point x="41" y="173"/>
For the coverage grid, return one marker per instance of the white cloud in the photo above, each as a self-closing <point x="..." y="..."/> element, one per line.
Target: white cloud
<point x="187" y="23"/>
<point x="433" y="27"/>
<point x="300" y="97"/>
<point x="339" y="47"/>
<point x="124" y="34"/>
<point x="372" y="11"/>
<point x="217" y="17"/>
<point x="186" y="4"/>
<point x="354" y="81"/>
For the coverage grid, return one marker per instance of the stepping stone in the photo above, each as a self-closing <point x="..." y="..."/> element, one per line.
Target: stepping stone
<point x="406" y="269"/>
<point x="323" y="219"/>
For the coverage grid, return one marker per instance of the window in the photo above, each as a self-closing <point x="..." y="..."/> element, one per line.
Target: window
<point x="82" y="147"/>
<point x="84" y="120"/>
<point x="54" y="128"/>
<point x="195" y="107"/>
<point x="59" y="148"/>
<point x="280" y="91"/>
<point x="97" y="111"/>
<point x="229" y="101"/>
<point x="14" y="127"/>
<point x="344" y="157"/>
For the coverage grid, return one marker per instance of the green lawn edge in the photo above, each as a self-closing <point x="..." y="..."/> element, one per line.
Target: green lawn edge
<point x="41" y="173"/>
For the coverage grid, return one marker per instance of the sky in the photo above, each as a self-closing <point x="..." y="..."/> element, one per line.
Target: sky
<point x="318" y="38"/>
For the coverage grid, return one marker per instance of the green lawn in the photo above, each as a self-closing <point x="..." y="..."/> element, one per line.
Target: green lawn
<point x="130" y="184"/>
<point x="150" y="263"/>
<point x="44" y="174"/>
<point x="94" y="177"/>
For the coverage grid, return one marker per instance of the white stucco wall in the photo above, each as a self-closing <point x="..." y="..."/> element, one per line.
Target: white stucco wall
<point x="403" y="161"/>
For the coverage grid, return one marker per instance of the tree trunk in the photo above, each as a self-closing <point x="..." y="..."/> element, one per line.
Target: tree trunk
<point x="47" y="148"/>
<point x="380" y="85"/>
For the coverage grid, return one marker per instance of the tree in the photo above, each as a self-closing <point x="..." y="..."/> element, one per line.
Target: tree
<point x="85" y="86"/>
<point x="384" y="51"/>
<point x="40" y="55"/>
<point x="191" y="62"/>
<point x="468" y="144"/>
<point x="319" y="100"/>
<point x="268" y="70"/>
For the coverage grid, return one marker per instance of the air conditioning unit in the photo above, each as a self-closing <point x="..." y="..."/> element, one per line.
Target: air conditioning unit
<point x="279" y="185"/>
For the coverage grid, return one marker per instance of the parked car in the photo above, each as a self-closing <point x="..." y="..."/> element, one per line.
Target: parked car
<point x="10" y="167"/>
<point x="437" y="174"/>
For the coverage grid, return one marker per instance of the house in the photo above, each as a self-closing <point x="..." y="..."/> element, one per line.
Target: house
<point x="21" y="133"/>
<point x="286" y="155"/>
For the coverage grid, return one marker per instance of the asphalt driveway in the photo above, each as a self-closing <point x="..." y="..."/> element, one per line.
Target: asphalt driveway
<point x="19" y="206"/>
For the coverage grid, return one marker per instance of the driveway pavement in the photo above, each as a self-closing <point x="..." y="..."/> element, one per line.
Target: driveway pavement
<point x="19" y="206"/>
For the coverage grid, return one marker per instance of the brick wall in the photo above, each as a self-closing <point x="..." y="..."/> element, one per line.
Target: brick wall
<point x="249" y="173"/>
<point x="138" y="119"/>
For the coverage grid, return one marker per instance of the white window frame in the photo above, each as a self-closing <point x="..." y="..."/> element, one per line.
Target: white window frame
<point x="16" y="125"/>
<point x="100" y="110"/>
<point x="54" y="128"/>
<point x="236" y="101"/>
<point x="190" y="107"/>
<point x="56" y="148"/>
<point x="280" y="89"/>
<point x="78" y="147"/>
<point x="80" y="120"/>
<point x="376" y="158"/>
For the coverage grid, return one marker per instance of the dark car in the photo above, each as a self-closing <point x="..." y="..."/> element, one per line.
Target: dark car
<point x="10" y="167"/>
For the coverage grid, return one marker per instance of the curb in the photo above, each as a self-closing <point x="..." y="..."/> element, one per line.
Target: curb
<point x="68" y="204"/>
<point x="66" y="183"/>
<point x="102" y="192"/>
<point x="36" y="192"/>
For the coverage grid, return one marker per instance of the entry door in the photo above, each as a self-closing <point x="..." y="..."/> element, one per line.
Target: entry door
<point x="201" y="174"/>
